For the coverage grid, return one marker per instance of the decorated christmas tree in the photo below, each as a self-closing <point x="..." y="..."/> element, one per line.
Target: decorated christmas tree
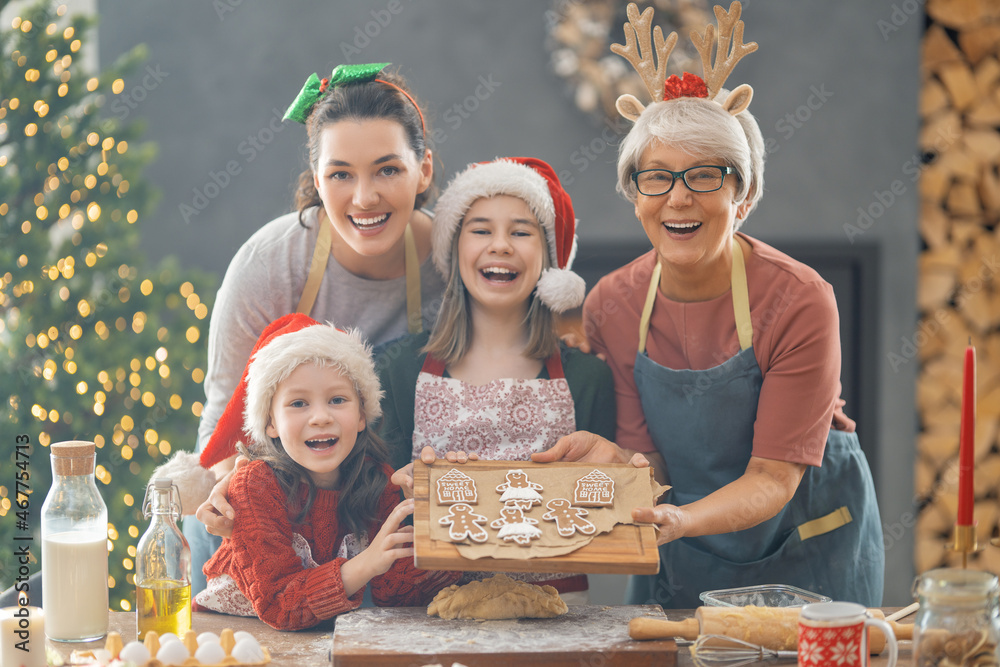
<point x="96" y="343"/>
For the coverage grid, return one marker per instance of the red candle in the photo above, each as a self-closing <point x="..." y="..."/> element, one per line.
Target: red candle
<point x="966" y="443"/>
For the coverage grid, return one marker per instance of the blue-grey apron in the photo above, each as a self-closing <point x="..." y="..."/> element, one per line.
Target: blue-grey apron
<point x="827" y="539"/>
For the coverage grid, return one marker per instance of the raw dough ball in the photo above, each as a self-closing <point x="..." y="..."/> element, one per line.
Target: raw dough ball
<point x="496" y="598"/>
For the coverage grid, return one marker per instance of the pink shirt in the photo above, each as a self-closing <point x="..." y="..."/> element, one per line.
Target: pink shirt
<point x="796" y="340"/>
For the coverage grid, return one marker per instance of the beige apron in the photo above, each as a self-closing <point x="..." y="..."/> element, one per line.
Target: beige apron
<point x="321" y="255"/>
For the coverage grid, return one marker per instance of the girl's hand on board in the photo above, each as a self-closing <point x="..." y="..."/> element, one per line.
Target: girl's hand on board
<point x="393" y="541"/>
<point x="403" y="478"/>
<point x="428" y="456"/>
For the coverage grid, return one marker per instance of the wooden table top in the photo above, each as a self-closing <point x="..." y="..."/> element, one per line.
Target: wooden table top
<point x="313" y="647"/>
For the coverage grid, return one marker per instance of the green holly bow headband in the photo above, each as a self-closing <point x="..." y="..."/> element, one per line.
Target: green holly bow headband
<point x="342" y="75"/>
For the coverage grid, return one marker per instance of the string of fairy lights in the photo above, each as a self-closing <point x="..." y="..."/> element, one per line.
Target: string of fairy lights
<point x="63" y="208"/>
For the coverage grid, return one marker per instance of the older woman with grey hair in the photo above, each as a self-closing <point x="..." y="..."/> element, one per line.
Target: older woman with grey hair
<point x="726" y="356"/>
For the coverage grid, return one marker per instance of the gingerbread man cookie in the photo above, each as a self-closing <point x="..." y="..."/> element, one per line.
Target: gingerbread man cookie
<point x="568" y="519"/>
<point x="518" y="488"/>
<point x="515" y="527"/>
<point x="464" y="523"/>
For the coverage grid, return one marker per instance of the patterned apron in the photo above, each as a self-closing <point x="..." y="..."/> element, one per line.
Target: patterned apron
<point x="827" y="539"/>
<point x="504" y="419"/>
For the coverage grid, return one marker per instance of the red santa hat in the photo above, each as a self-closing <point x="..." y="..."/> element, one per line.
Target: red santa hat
<point x="229" y="429"/>
<point x="284" y="344"/>
<point x="536" y="183"/>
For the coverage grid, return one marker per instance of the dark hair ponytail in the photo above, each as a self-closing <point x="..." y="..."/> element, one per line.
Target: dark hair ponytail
<point x="371" y="100"/>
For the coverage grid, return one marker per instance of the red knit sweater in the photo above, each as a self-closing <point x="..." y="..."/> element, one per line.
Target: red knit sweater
<point x="285" y="594"/>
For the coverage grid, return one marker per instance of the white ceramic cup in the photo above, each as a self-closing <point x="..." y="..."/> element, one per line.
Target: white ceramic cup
<point x="832" y="633"/>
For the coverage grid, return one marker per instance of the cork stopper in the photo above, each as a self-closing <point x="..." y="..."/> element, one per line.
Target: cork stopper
<point x="72" y="458"/>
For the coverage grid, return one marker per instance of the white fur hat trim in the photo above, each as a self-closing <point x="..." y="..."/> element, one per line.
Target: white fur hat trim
<point x="559" y="289"/>
<point x="322" y="345"/>
<point x="500" y="177"/>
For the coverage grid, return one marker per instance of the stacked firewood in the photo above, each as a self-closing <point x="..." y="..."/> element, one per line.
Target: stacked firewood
<point x="958" y="291"/>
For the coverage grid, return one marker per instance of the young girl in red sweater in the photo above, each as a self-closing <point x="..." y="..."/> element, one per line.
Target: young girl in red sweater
<point x="316" y="516"/>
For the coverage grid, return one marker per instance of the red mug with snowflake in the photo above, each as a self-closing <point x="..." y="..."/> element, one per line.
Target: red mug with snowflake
<point x="836" y="633"/>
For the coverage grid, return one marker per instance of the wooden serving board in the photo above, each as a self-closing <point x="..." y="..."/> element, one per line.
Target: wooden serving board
<point x="587" y="634"/>
<point x="627" y="549"/>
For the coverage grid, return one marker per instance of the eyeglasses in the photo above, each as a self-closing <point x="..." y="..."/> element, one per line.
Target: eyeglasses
<point x="703" y="178"/>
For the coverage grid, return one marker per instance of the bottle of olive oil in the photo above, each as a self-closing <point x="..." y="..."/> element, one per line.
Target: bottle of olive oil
<point x="162" y="566"/>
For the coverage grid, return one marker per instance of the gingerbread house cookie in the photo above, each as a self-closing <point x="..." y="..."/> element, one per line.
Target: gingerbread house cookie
<point x="456" y="487"/>
<point x="595" y="489"/>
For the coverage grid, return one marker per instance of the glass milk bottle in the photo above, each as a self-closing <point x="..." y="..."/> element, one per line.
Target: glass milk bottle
<point x="162" y="566"/>
<point x="74" y="547"/>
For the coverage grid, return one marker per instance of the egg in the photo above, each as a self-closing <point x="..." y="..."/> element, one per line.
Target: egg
<point x="134" y="652"/>
<point x="243" y="634"/>
<point x="247" y="638"/>
<point x="209" y="653"/>
<point x="168" y="637"/>
<point x="247" y="650"/>
<point x="173" y="653"/>
<point x="210" y="637"/>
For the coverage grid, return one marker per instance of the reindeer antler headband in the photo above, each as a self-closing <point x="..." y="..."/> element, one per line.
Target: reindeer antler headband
<point x="652" y="65"/>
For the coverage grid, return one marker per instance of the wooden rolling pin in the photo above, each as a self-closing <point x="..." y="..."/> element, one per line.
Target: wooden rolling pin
<point x="775" y="628"/>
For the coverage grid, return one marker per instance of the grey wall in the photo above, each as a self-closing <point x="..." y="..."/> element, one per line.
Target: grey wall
<point x="835" y="91"/>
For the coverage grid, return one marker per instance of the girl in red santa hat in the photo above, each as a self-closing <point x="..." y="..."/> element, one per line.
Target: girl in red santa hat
<point x="316" y="516"/>
<point x="492" y="378"/>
